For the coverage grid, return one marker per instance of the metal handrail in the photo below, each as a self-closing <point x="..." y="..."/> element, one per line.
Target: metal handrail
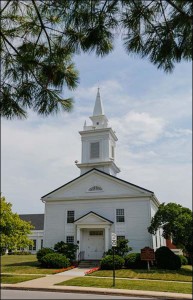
<point x="81" y="256"/>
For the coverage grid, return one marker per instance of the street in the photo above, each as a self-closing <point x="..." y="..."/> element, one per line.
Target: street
<point x="17" y="294"/>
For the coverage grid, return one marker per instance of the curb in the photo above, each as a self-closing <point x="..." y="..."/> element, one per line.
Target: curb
<point x="102" y="291"/>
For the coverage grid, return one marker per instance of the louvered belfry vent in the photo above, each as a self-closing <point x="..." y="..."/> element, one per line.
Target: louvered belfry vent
<point x="94" y="150"/>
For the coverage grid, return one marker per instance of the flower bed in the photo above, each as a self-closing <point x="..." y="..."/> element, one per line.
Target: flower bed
<point x="92" y="270"/>
<point x="64" y="269"/>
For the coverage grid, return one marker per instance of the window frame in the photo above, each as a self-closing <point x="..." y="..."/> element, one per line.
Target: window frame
<point x="120" y="215"/>
<point x="69" y="237"/>
<point x="70" y="219"/>
<point x="120" y="237"/>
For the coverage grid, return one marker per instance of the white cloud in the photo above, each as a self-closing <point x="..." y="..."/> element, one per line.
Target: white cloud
<point x="139" y="128"/>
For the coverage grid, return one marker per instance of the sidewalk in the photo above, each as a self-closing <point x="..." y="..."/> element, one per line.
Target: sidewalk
<point x="47" y="284"/>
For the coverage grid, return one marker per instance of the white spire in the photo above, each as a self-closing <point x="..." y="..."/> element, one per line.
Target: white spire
<point x="98" y="108"/>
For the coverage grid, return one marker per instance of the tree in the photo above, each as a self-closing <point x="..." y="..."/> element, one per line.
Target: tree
<point x="13" y="230"/>
<point x="176" y="222"/>
<point x="39" y="39"/>
<point x="121" y="249"/>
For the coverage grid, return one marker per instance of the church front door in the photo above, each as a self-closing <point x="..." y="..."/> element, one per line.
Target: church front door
<point x="94" y="244"/>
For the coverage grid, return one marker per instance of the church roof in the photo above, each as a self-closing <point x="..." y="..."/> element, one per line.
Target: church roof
<point x="92" y="212"/>
<point x="99" y="171"/>
<point x="37" y="220"/>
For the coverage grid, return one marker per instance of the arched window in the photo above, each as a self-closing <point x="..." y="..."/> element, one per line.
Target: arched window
<point x="95" y="188"/>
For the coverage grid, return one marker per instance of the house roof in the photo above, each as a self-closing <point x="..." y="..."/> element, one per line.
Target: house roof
<point x="37" y="220"/>
<point x="92" y="212"/>
<point x="99" y="171"/>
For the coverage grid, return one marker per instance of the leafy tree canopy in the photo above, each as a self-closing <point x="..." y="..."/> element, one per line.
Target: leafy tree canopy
<point x="176" y="222"/>
<point x="13" y="230"/>
<point x="39" y="39"/>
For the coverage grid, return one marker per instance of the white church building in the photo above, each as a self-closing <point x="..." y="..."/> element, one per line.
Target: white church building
<point x="86" y="210"/>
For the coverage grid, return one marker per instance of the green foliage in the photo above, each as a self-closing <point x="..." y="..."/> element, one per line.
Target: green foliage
<point x="121" y="249"/>
<point x="166" y="259"/>
<point x="55" y="260"/>
<point x="176" y="222"/>
<point x="133" y="261"/>
<point x="19" y="253"/>
<point x="106" y="262"/>
<point x="40" y="38"/>
<point x="184" y="260"/>
<point x="42" y="252"/>
<point x="14" y="231"/>
<point x="67" y="249"/>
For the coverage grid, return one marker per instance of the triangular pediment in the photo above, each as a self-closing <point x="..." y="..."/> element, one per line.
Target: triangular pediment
<point x="97" y="184"/>
<point x="92" y="218"/>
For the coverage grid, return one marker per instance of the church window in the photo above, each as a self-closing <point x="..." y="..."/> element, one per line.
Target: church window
<point x="94" y="150"/>
<point x="33" y="247"/>
<point x="120" y="237"/>
<point x="70" y="239"/>
<point x="120" y="217"/>
<point x="70" y="216"/>
<point x="95" y="188"/>
<point x="42" y="243"/>
<point x="96" y="232"/>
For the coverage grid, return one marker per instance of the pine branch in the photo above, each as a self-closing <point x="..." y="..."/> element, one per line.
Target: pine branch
<point x="179" y="9"/>
<point x="42" y="25"/>
<point x="5" y="7"/>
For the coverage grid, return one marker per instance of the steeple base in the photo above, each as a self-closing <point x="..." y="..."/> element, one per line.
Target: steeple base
<point x="108" y="167"/>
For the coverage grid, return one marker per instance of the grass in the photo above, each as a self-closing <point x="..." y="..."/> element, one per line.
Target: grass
<point x="23" y="264"/>
<point x="17" y="278"/>
<point x="174" y="287"/>
<point x="184" y="274"/>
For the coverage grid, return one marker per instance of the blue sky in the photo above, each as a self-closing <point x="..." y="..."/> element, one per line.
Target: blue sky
<point x="150" y="111"/>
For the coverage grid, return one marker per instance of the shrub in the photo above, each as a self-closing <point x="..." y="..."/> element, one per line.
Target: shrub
<point x="121" y="249"/>
<point x="166" y="259"/>
<point x="133" y="261"/>
<point x="21" y="253"/>
<point x="107" y="262"/>
<point x="42" y="252"/>
<point x="55" y="260"/>
<point x="67" y="249"/>
<point x="184" y="260"/>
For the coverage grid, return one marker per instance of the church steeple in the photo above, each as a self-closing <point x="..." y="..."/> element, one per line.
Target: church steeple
<point x="98" y="143"/>
<point x="98" y="107"/>
<point x="98" y="118"/>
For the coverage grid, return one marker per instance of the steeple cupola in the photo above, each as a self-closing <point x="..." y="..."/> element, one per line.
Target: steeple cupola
<point x="98" y="143"/>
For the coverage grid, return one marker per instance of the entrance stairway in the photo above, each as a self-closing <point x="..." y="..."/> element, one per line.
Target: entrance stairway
<point x="89" y="264"/>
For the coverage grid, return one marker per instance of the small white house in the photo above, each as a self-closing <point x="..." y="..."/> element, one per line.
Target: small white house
<point x="37" y="220"/>
<point x="89" y="208"/>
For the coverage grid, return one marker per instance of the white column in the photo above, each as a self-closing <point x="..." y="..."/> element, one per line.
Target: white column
<point x="106" y="239"/>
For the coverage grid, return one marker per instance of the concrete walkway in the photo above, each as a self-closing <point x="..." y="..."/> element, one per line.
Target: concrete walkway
<point x="48" y="282"/>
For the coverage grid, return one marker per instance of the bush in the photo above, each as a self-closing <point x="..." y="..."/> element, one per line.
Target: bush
<point x="107" y="262"/>
<point x="184" y="260"/>
<point x="67" y="249"/>
<point x="133" y="261"/>
<point x="166" y="259"/>
<point x="42" y="252"/>
<point x="55" y="260"/>
<point x="121" y="249"/>
<point x="20" y="253"/>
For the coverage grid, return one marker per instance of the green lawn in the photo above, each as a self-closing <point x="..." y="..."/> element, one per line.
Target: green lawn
<point x="184" y="274"/>
<point x="146" y="285"/>
<point x="22" y="264"/>
<point x="17" y="278"/>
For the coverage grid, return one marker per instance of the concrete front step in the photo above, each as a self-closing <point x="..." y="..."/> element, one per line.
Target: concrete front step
<point x="89" y="263"/>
